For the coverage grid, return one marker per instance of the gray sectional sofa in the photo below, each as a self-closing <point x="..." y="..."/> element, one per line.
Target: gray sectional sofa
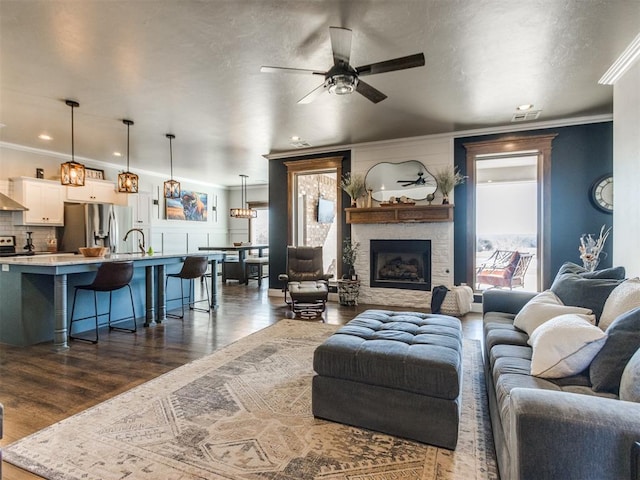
<point x="584" y="426"/>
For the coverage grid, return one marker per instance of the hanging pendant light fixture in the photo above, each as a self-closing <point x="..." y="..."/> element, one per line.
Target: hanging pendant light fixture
<point x="72" y="173"/>
<point x="171" y="187"/>
<point x="243" y="212"/>
<point x="127" y="181"/>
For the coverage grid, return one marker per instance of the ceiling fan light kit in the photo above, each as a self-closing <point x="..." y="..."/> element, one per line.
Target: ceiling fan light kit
<point x="243" y="212"/>
<point x="72" y="173"/>
<point x="342" y="78"/>
<point x="127" y="181"/>
<point x="171" y="187"/>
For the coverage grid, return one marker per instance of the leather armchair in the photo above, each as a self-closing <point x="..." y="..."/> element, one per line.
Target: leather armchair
<point x="305" y="280"/>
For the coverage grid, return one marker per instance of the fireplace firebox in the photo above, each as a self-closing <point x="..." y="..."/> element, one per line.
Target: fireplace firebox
<point x="404" y="264"/>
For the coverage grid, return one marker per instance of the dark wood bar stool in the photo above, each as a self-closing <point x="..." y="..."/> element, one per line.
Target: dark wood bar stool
<point x="111" y="276"/>
<point x="192" y="268"/>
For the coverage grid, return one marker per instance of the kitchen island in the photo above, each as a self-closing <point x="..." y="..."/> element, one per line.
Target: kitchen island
<point x="35" y="291"/>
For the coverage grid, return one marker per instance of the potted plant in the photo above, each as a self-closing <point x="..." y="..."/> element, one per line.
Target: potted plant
<point x="354" y="186"/>
<point x="349" y="256"/>
<point x="447" y="179"/>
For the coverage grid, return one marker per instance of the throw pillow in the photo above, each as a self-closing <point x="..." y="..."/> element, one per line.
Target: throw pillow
<point x="623" y="298"/>
<point x="544" y="307"/>
<point x="630" y="382"/>
<point x="614" y="273"/>
<point x="585" y="289"/>
<point x="564" y="346"/>
<point x="623" y="339"/>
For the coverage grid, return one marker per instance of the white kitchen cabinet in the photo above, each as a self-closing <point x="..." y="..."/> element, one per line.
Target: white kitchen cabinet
<point x="141" y="205"/>
<point x="43" y="198"/>
<point x="96" y="191"/>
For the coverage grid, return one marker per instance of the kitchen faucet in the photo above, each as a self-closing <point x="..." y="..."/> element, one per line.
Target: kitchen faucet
<point x="140" y="243"/>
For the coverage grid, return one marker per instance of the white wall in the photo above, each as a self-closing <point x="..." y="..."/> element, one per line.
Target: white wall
<point x="435" y="153"/>
<point x="626" y="170"/>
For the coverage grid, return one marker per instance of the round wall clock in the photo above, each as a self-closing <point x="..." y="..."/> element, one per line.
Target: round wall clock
<point x="602" y="193"/>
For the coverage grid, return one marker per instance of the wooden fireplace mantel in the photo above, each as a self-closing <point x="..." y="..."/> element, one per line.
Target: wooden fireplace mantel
<point x="401" y="214"/>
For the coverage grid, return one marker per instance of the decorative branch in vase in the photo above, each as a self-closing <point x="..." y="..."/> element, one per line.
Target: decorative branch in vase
<point x="354" y="186"/>
<point x="591" y="248"/>
<point x="447" y="179"/>
<point x="349" y="256"/>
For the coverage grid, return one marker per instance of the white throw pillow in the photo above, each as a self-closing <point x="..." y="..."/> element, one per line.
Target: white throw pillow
<point x="544" y="307"/>
<point x="623" y="298"/>
<point x="564" y="346"/>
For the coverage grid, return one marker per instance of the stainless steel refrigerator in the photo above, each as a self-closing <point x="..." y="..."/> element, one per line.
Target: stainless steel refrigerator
<point x="95" y="224"/>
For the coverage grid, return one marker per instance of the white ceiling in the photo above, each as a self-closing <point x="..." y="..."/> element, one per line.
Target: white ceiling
<point x="192" y="68"/>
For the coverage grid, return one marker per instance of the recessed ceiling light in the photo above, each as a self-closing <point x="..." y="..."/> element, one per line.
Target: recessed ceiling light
<point x="295" y="138"/>
<point x="44" y="136"/>
<point x="117" y="154"/>
<point x="524" y="106"/>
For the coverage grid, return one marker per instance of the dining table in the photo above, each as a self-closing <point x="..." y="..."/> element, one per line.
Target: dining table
<point x="242" y="251"/>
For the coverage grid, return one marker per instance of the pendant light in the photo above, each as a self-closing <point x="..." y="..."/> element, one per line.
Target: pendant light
<point x="243" y="212"/>
<point x="72" y="173"/>
<point x="171" y="187"/>
<point x="127" y="181"/>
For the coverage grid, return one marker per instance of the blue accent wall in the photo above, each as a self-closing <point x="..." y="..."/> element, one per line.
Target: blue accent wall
<point x="580" y="155"/>
<point x="278" y="211"/>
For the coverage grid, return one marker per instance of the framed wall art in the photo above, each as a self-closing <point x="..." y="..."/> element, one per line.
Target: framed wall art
<point x="191" y="206"/>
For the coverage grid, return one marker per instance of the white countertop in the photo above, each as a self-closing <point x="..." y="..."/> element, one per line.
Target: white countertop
<point x="61" y="259"/>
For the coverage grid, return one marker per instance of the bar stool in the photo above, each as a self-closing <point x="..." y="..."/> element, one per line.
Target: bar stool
<point x="192" y="268"/>
<point x="111" y="276"/>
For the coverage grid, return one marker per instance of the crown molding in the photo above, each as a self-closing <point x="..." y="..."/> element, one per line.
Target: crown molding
<point x="623" y="63"/>
<point x="525" y="126"/>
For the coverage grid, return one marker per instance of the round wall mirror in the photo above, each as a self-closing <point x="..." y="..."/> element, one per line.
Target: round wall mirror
<point x="409" y="179"/>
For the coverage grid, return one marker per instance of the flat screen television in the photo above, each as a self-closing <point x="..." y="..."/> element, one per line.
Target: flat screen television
<point x="326" y="211"/>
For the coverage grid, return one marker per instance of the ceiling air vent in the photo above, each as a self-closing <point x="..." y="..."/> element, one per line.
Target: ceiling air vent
<point x="526" y="116"/>
<point x="300" y="144"/>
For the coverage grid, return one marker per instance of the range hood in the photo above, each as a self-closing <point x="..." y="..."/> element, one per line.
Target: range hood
<point x="9" y="205"/>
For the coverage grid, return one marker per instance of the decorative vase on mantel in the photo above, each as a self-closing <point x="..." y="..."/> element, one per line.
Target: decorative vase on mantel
<point x="354" y="202"/>
<point x="445" y="199"/>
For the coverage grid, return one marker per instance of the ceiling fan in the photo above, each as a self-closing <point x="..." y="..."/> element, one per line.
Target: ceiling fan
<point x="418" y="181"/>
<point x="342" y="78"/>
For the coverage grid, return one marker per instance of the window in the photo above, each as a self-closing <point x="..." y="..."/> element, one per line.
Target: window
<point x="259" y="226"/>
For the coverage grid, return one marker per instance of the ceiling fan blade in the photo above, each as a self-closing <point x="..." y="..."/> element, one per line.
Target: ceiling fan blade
<point x="401" y="63"/>
<point x="371" y="93"/>
<point x="313" y="94"/>
<point x="341" y="44"/>
<point x="265" y="69"/>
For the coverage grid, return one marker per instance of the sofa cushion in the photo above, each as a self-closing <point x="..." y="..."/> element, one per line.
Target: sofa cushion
<point x="564" y="346"/>
<point x="623" y="339"/>
<point x="623" y="298"/>
<point x="542" y="308"/>
<point x="630" y="381"/>
<point x="504" y="336"/>
<point x="586" y="289"/>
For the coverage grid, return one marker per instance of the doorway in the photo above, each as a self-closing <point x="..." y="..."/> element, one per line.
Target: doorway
<point x="507" y="214"/>
<point x="315" y="200"/>
<point x="538" y="146"/>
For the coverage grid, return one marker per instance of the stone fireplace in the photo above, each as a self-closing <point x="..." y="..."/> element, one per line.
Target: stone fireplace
<point x="404" y="264"/>
<point x="440" y="237"/>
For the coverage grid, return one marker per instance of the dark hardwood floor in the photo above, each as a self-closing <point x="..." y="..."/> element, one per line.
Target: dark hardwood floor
<point x="39" y="387"/>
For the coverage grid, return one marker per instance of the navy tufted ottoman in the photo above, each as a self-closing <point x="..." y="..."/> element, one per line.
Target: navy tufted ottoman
<point x="393" y="372"/>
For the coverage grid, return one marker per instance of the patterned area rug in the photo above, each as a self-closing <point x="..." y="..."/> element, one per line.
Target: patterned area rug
<point x="244" y="413"/>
